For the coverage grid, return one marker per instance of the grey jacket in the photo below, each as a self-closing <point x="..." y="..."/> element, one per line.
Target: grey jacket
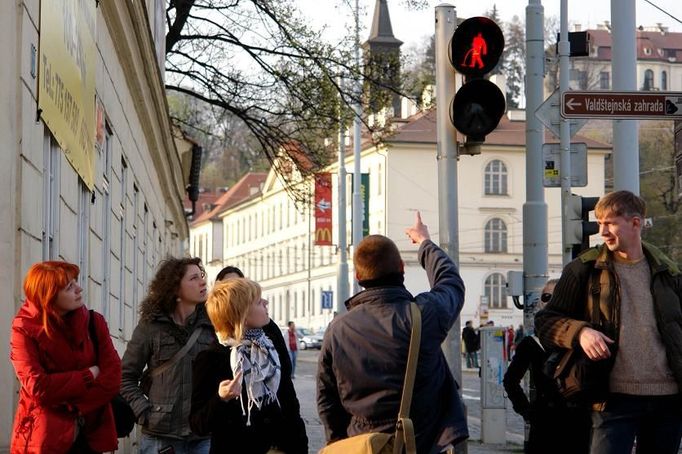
<point x="165" y="410"/>
<point x="364" y="356"/>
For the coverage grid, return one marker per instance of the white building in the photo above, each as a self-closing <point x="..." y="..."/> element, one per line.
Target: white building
<point x="111" y="201"/>
<point x="270" y="239"/>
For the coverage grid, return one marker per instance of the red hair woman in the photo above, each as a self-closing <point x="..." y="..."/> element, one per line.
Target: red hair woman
<point x="66" y="385"/>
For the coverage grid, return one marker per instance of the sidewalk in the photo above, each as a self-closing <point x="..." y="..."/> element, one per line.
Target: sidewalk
<point x="306" y="391"/>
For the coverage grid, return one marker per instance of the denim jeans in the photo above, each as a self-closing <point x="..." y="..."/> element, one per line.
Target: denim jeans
<point x="472" y="359"/>
<point x="153" y="445"/>
<point x="292" y="355"/>
<point x="656" y="422"/>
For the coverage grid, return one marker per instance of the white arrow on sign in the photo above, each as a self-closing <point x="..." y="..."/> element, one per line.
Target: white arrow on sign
<point x="572" y="104"/>
<point x="324" y="205"/>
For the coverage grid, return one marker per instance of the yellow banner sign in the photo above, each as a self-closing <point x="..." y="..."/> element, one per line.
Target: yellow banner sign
<point x="66" y="79"/>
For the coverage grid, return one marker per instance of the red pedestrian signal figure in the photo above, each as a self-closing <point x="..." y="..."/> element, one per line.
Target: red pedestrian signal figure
<point x="478" y="48"/>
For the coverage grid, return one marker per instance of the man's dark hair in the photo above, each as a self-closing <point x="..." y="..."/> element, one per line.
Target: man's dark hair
<point x="289" y="323"/>
<point x="228" y="270"/>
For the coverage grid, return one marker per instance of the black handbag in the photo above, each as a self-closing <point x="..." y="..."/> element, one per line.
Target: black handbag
<point x="577" y="377"/>
<point x="124" y="417"/>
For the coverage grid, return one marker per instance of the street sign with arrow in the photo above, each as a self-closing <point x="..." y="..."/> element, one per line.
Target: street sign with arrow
<point x="627" y="105"/>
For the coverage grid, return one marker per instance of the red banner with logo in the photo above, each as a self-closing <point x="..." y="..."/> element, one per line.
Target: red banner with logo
<point x="323" y="209"/>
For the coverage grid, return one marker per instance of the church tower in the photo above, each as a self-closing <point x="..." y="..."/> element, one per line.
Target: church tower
<point x="382" y="62"/>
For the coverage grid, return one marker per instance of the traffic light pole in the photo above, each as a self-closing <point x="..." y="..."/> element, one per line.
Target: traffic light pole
<point x="535" y="208"/>
<point x="448" y="224"/>
<point x="624" y="71"/>
<point x="565" y="137"/>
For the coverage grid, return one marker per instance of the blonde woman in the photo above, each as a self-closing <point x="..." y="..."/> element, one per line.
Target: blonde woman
<point x="243" y="395"/>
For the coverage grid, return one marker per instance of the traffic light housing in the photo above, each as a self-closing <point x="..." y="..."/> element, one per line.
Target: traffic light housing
<point x="580" y="228"/>
<point x="478" y="106"/>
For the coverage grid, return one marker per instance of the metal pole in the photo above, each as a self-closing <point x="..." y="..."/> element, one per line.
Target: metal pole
<point x="358" y="209"/>
<point x="565" y="134"/>
<point x="535" y="241"/>
<point x="446" y="155"/>
<point x="535" y="209"/>
<point x="309" y="306"/>
<point x="624" y="71"/>
<point x="342" y="269"/>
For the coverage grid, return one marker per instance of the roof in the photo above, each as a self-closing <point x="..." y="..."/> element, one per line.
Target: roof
<point x="382" y="31"/>
<point x="660" y="45"/>
<point x="248" y="186"/>
<point x="421" y="128"/>
<point x="205" y="198"/>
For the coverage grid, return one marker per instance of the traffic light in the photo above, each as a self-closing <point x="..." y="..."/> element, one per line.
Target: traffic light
<point x="478" y="106"/>
<point x="580" y="228"/>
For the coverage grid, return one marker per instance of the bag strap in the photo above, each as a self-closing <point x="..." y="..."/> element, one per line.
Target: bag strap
<point x="404" y="425"/>
<point x="178" y="355"/>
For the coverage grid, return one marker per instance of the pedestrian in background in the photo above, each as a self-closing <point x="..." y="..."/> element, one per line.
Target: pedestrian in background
<point x="293" y="346"/>
<point x="243" y="395"/>
<point x="157" y="364"/>
<point x="636" y="291"/>
<point x="556" y="426"/>
<point x="471" y="345"/>
<point x="364" y="353"/>
<point x="66" y="386"/>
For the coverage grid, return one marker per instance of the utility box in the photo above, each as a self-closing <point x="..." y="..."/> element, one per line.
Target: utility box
<point x="493" y="399"/>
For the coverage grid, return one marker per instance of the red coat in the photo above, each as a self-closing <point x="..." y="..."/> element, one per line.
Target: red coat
<point x="56" y="386"/>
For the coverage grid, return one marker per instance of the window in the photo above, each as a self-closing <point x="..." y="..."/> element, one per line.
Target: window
<point x="495" y="290"/>
<point x="664" y="80"/>
<point x="106" y="219"/>
<point x="604" y="82"/>
<point x="83" y="234"/>
<point x="122" y="245"/>
<point x="582" y="80"/>
<point x="496" y="178"/>
<point x="51" y="169"/>
<point x="648" y="80"/>
<point x="496" y="236"/>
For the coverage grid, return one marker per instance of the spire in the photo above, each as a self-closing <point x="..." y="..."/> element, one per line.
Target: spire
<point x="382" y="31"/>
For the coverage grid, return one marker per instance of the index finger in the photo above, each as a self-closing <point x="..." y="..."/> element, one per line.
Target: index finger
<point x="419" y="217"/>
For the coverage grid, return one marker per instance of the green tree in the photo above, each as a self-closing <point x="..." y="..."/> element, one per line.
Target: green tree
<point x="658" y="187"/>
<point x="514" y="62"/>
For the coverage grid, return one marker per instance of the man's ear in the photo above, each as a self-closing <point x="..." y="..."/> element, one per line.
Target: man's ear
<point x="357" y="276"/>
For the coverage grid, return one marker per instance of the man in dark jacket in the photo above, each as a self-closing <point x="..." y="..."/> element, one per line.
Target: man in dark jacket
<point x="471" y="345"/>
<point x="639" y="330"/>
<point x="364" y="352"/>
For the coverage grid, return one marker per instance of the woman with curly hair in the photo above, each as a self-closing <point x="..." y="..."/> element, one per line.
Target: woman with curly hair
<point x="243" y="394"/>
<point x="67" y="381"/>
<point x="157" y="364"/>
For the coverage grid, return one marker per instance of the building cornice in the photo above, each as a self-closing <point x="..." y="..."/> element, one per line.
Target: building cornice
<point x="128" y="26"/>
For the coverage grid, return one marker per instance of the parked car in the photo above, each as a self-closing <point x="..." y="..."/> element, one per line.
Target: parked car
<point x="307" y="339"/>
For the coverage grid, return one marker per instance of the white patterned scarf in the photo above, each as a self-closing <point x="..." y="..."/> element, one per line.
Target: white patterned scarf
<point x="257" y="358"/>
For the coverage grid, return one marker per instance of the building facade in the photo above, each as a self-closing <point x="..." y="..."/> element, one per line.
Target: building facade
<point x="271" y="238"/>
<point x="659" y="60"/>
<point x="111" y="201"/>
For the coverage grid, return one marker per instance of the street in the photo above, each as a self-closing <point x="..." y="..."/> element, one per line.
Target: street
<point x="305" y="388"/>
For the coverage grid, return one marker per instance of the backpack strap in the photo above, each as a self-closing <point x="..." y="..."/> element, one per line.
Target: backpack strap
<point x="404" y="433"/>
<point x="599" y="279"/>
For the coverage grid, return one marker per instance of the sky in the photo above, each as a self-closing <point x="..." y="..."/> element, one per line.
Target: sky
<point x="413" y="27"/>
